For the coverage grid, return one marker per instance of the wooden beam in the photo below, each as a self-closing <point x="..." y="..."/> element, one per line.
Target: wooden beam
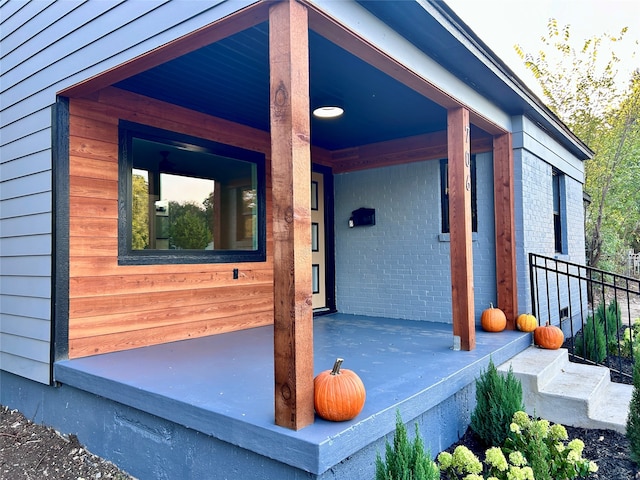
<point x="428" y="146"/>
<point x="505" y="228"/>
<point x="291" y="178"/>
<point x="458" y="139"/>
<point x="225" y="27"/>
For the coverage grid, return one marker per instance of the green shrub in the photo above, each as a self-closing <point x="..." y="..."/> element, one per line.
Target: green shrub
<point x="543" y="446"/>
<point x="498" y="397"/>
<point x="535" y="449"/>
<point x="406" y="460"/>
<point x="631" y="339"/>
<point x="613" y="325"/>
<point x="633" y="419"/>
<point x="591" y="342"/>
<point x="615" y="315"/>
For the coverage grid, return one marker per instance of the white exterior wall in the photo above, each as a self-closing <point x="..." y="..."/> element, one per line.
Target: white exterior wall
<point x="45" y="47"/>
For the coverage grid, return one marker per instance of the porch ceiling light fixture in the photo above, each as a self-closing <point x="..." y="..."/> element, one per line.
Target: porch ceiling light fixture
<point x="328" y="111"/>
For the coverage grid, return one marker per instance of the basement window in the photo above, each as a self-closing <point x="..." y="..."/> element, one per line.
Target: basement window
<point x="188" y="200"/>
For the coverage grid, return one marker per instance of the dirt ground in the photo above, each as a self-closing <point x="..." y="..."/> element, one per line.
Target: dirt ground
<point x="32" y="452"/>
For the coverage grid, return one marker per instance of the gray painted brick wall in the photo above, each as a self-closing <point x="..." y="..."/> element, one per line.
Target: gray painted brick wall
<point x="534" y="221"/>
<point x="400" y="267"/>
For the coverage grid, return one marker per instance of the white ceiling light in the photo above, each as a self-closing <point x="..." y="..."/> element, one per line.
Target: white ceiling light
<point x="328" y="111"/>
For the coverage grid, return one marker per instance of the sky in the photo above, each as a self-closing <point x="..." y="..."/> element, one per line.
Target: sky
<point x="503" y="23"/>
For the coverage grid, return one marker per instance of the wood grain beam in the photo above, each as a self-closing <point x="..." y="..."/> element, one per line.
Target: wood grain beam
<point x="429" y="146"/>
<point x="507" y="292"/>
<point x="291" y="179"/>
<point x="458" y="132"/>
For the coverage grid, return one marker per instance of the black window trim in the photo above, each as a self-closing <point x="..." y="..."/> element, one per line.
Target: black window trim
<point x="559" y="221"/>
<point x="444" y="196"/>
<point x="126" y="256"/>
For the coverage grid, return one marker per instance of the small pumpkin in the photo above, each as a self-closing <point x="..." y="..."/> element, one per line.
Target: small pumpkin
<point x="493" y="319"/>
<point x="526" y="322"/>
<point x="548" y="336"/>
<point x="339" y="395"/>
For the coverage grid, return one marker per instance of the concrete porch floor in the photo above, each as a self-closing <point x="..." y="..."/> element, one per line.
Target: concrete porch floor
<point x="222" y="385"/>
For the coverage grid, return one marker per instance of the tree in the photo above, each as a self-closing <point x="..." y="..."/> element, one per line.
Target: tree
<point x="614" y="177"/>
<point x="581" y="86"/>
<point x="188" y="227"/>
<point x="140" y="213"/>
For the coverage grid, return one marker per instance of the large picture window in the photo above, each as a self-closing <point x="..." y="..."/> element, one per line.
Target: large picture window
<point x="188" y="200"/>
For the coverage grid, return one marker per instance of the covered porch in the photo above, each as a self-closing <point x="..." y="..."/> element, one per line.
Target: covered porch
<point x="222" y="386"/>
<point x="311" y="51"/>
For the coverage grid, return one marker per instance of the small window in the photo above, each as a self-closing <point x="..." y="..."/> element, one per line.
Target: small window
<point x="558" y="208"/>
<point x="444" y="195"/>
<point x="188" y="200"/>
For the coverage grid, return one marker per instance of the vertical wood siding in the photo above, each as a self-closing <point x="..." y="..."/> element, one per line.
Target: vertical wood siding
<point x="114" y="307"/>
<point x="47" y="46"/>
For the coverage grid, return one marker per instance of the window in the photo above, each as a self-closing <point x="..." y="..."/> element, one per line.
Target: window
<point x="558" y="208"/>
<point x="444" y="195"/>
<point x="188" y="200"/>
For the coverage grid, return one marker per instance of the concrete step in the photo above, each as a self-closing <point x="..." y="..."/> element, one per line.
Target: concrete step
<point x="569" y="393"/>
<point x="612" y="409"/>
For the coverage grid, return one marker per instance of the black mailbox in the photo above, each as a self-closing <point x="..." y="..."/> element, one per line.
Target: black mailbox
<point x="362" y="216"/>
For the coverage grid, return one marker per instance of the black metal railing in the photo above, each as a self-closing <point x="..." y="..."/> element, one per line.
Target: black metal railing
<point x="598" y="311"/>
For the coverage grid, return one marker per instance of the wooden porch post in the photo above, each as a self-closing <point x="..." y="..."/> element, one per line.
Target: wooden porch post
<point x="505" y="228"/>
<point x="291" y="190"/>
<point x="459" y="153"/>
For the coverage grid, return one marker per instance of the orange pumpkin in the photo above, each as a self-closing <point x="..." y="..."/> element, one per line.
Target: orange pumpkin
<point x="548" y="336"/>
<point x="339" y="395"/>
<point x="493" y="319"/>
<point x="526" y="322"/>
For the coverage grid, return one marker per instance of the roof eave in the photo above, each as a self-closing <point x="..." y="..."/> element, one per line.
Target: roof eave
<point x="523" y="100"/>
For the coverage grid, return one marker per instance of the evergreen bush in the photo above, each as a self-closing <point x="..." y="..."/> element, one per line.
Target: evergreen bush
<point x="615" y="314"/>
<point x="498" y="397"/>
<point x="591" y="342"/>
<point x="633" y="419"/>
<point x="613" y="323"/>
<point x="630" y="340"/>
<point x="406" y="460"/>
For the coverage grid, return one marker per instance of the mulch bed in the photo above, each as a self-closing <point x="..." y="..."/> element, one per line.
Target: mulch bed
<point x="609" y="449"/>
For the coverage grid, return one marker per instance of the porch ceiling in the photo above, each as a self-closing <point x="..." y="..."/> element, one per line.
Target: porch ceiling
<point x="230" y="79"/>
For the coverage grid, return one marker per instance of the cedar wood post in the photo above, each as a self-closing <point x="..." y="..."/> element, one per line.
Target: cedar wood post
<point x="505" y="228"/>
<point x="459" y="178"/>
<point x="291" y="190"/>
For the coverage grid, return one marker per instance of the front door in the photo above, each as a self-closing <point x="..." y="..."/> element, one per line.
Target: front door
<point x="318" y="242"/>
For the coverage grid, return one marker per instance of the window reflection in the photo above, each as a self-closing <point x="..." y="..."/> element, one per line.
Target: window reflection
<point x="191" y="200"/>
